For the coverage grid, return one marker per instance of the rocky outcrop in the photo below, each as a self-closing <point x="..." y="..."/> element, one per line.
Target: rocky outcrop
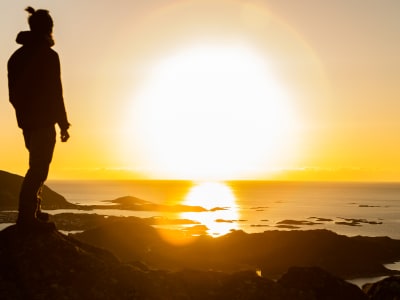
<point x="385" y="289"/>
<point x="51" y="265"/>
<point x="315" y="283"/>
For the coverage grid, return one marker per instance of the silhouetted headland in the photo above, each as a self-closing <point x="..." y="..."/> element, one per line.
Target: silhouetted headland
<point x="10" y="185"/>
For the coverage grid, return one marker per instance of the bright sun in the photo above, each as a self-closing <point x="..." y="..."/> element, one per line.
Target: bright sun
<point x="212" y="195"/>
<point x="213" y="111"/>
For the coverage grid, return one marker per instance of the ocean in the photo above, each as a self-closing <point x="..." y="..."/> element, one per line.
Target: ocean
<point x="368" y="209"/>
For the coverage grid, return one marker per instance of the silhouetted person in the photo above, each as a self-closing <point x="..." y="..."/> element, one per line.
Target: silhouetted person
<point x="35" y="91"/>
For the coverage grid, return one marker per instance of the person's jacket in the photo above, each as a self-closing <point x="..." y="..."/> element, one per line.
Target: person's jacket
<point x="34" y="83"/>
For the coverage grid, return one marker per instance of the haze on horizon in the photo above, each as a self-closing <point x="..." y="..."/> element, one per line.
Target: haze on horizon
<point x="293" y="90"/>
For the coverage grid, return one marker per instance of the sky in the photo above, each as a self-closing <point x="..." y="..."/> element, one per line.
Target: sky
<point x="234" y="89"/>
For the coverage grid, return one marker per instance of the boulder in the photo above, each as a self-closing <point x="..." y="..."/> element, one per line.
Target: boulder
<point x="385" y="289"/>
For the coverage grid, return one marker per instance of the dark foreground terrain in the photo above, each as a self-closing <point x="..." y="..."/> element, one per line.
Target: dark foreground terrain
<point x="271" y="252"/>
<point x="51" y="265"/>
<point x="128" y="258"/>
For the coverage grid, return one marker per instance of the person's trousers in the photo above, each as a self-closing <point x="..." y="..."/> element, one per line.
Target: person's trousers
<point x="40" y="144"/>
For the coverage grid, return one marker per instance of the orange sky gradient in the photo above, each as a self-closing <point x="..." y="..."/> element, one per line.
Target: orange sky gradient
<point x="221" y="89"/>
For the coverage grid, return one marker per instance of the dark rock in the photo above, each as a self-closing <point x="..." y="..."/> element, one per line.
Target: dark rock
<point x="211" y="285"/>
<point x="283" y="226"/>
<point x="133" y="203"/>
<point x="385" y="289"/>
<point x="315" y="283"/>
<point x="39" y="266"/>
<point x="319" y="219"/>
<point x="297" y="222"/>
<point x="350" y="223"/>
<point x="55" y="266"/>
<point x="271" y="251"/>
<point x="255" y="287"/>
<point x="357" y="222"/>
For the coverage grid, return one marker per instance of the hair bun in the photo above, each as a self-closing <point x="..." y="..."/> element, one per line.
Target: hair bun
<point x="30" y="10"/>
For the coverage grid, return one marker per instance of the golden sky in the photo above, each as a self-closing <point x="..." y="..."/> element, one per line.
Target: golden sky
<point x="278" y="89"/>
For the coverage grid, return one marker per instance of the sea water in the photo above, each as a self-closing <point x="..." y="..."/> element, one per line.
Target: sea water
<point x="368" y="209"/>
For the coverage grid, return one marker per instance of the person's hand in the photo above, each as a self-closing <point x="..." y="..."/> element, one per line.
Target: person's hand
<point x="64" y="135"/>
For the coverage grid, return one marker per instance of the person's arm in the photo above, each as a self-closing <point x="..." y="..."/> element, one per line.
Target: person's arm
<point x="64" y="135"/>
<point x="61" y="113"/>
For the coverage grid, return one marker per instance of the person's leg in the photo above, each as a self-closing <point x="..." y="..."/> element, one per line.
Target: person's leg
<point x="42" y="216"/>
<point x="40" y="143"/>
<point x="26" y="205"/>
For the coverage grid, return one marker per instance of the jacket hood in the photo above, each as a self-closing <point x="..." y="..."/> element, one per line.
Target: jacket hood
<point x="30" y="38"/>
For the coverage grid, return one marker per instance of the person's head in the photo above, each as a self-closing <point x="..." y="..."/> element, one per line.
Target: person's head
<point x="40" y="21"/>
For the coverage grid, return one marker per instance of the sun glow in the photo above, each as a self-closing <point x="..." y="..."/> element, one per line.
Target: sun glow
<point x="210" y="195"/>
<point x="213" y="111"/>
<point x="219" y="199"/>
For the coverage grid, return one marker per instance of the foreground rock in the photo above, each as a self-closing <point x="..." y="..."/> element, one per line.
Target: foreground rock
<point x="315" y="283"/>
<point x="54" y="266"/>
<point x="385" y="289"/>
<point x="273" y="252"/>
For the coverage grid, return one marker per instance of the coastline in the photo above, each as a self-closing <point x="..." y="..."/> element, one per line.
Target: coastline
<point x="349" y="208"/>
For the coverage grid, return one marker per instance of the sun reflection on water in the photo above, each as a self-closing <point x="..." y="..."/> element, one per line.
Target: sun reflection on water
<point x="222" y="213"/>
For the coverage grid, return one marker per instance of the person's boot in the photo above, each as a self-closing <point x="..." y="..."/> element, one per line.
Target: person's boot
<point x="32" y="224"/>
<point x="41" y="215"/>
<point x="27" y="221"/>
